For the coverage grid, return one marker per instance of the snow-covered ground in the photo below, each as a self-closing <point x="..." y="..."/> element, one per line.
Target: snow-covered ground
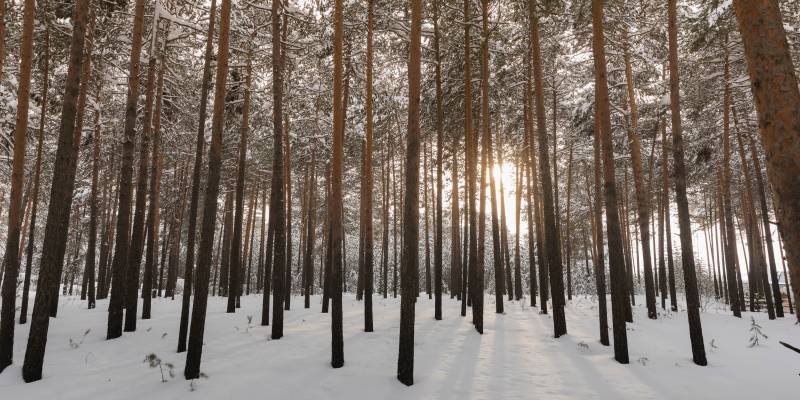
<point x="516" y="358"/>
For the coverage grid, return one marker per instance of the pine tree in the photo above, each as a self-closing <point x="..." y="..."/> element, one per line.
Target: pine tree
<point x="55" y="238"/>
<point x="405" y="359"/>
<point x="205" y="87"/>
<point x="11" y="259"/>
<point x="196" y="330"/>
<point x="121" y="245"/>
<point x="769" y="64"/>
<point x="616" y="261"/>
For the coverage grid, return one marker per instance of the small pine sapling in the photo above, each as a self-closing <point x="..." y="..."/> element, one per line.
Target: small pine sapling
<point x="154" y="361"/>
<point x="755" y="333"/>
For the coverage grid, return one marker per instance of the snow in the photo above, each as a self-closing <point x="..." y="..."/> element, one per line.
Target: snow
<point x="516" y="358"/>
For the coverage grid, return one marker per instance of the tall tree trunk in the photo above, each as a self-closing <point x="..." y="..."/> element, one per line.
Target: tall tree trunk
<point x="684" y="222"/>
<point x="762" y="198"/>
<point x="731" y="256"/>
<point x="277" y="199"/>
<point x="369" y="258"/>
<point x="175" y="245"/>
<point x="771" y="71"/>
<point x="196" y="330"/>
<point x="497" y="253"/>
<point x="287" y="165"/>
<point x="669" y="281"/>
<point x="311" y="233"/>
<point x="642" y="203"/>
<point x="153" y="212"/>
<point x="121" y="246"/>
<point x="91" y="246"/>
<point x="426" y="205"/>
<point x="191" y="234"/>
<point x="134" y="258"/>
<point x="227" y="226"/>
<point x="11" y="259"/>
<point x="470" y="167"/>
<point x="241" y="165"/>
<point x="23" y="312"/>
<point x="615" y="252"/>
<point x="567" y="232"/>
<point x="405" y="359"/>
<point x="551" y="234"/>
<point x="754" y="238"/>
<point x="55" y="238"/>
<point x="335" y="201"/>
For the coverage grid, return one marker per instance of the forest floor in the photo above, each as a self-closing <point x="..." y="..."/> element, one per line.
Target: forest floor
<point x="515" y="358"/>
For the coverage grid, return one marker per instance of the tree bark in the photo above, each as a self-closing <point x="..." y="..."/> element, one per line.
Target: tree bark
<point x="551" y="234"/>
<point x="277" y="200"/>
<point x="405" y="359"/>
<point x="11" y="259"/>
<point x="769" y="64"/>
<point x="54" y="244"/>
<point x="684" y="222"/>
<point x="369" y="260"/>
<point x="196" y="330"/>
<point x="23" y="312"/>
<point x="615" y="252"/>
<point x="335" y="201"/>
<point x="191" y="234"/>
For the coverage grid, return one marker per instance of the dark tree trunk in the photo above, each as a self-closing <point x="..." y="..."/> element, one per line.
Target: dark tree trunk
<point x="55" y="237"/>
<point x="551" y="234"/>
<point x="616" y="260"/>
<point x="196" y="330"/>
<point x="134" y="258"/>
<point x="23" y="311"/>
<point x="405" y="359"/>
<point x="191" y="234"/>
<point x="153" y="212"/>
<point x="731" y="256"/>
<point x="236" y="256"/>
<point x="687" y="253"/>
<point x="121" y="246"/>
<point x="11" y="259"/>
<point x="497" y="252"/>
<point x="335" y="202"/>
<point x="277" y="197"/>
<point x="227" y="226"/>
<point x="368" y="180"/>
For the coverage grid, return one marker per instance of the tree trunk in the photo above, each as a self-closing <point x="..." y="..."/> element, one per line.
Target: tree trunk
<point x="368" y="179"/>
<point x="92" y="243"/>
<point x="236" y="256"/>
<point x="277" y="197"/>
<point x="771" y="71"/>
<point x="54" y="243"/>
<point x="23" y="312"/>
<point x="121" y="246"/>
<point x="762" y="197"/>
<point x="405" y="359"/>
<point x="731" y="256"/>
<point x="191" y="234"/>
<point x="335" y="201"/>
<point x="470" y="173"/>
<point x="227" y="226"/>
<point x="153" y="213"/>
<point x="551" y="234"/>
<point x="497" y="253"/>
<point x="11" y="259"/>
<point x="615" y="252"/>
<point x="684" y="222"/>
<point x="195" y="347"/>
